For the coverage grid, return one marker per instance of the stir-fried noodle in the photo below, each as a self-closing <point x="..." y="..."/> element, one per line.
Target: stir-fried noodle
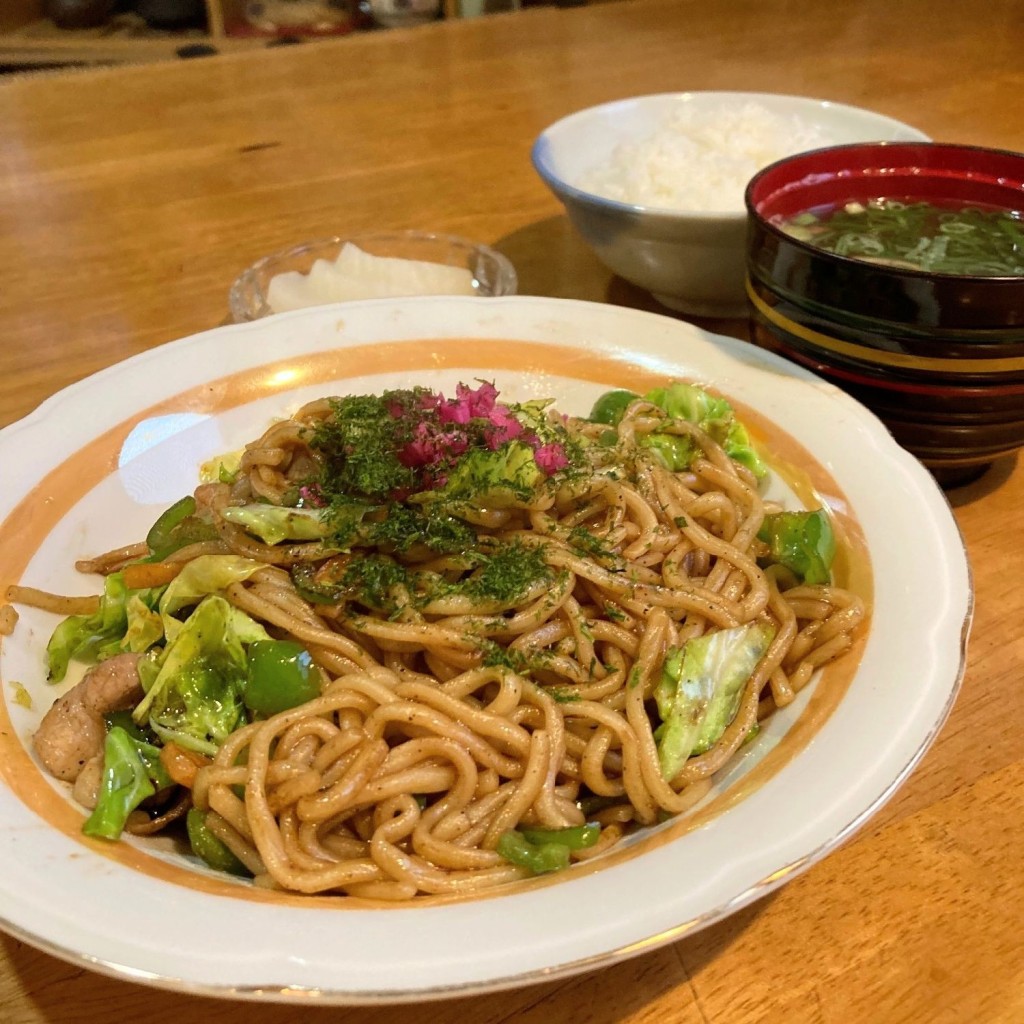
<point x="501" y="701"/>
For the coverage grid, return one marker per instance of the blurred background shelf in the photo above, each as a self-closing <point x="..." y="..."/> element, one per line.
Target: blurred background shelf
<point x="29" y="39"/>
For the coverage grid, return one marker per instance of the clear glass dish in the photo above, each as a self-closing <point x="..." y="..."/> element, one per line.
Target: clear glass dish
<point x="493" y="273"/>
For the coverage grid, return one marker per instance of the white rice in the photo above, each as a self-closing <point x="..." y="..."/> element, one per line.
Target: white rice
<point x="701" y="160"/>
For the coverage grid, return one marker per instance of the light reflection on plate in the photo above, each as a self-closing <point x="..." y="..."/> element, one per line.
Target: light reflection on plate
<point x="164" y="412"/>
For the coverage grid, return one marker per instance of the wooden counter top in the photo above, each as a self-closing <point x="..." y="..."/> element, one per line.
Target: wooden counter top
<point x="129" y="200"/>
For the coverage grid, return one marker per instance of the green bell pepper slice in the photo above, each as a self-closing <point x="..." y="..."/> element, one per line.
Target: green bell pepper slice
<point x="543" y="850"/>
<point x="177" y="527"/>
<point x="208" y="847"/>
<point x="280" y="675"/>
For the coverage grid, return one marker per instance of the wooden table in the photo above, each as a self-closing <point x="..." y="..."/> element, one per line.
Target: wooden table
<point x="129" y="200"/>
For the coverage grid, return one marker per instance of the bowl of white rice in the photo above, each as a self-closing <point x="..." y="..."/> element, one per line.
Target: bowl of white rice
<point x="654" y="184"/>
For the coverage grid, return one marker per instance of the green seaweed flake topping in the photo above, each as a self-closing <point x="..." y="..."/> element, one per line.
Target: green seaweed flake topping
<point x="496" y="656"/>
<point x="508" y="572"/>
<point x="359" y="443"/>
<point x="404" y="527"/>
<point x="587" y="543"/>
<point x="373" y="579"/>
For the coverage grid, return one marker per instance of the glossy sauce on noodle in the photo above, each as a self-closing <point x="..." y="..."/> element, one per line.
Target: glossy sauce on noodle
<point x="858" y="572"/>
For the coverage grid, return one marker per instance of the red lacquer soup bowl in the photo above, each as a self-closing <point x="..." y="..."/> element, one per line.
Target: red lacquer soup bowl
<point x="935" y="350"/>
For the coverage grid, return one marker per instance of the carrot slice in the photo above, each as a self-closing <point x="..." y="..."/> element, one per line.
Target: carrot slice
<point x="141" y="575"/>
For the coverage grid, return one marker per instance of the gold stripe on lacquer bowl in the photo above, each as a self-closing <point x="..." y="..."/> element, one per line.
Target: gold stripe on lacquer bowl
<point x="867" y="354"/>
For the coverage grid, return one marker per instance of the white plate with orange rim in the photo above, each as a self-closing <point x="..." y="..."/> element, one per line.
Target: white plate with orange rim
<point x="93" y="466"/>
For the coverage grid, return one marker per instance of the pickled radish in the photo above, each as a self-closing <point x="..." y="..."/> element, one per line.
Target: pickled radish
<point x="356" y="274"/>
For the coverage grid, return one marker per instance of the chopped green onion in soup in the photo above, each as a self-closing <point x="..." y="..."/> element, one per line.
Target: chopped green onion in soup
<point x="968" y="240"/>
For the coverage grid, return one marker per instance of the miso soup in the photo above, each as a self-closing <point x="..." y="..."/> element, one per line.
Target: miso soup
<point x="969" y="240"/>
